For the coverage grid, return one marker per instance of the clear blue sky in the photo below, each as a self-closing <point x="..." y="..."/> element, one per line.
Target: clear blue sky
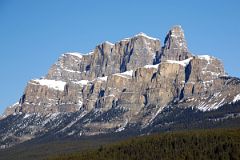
<point x="33" y="34"/>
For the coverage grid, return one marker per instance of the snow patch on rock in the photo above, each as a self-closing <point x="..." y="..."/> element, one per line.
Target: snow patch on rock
<point x="236" y="98"/>
<point x="26" y="116"/>
<point x="15" y="104"/>
<point x="206" y="57"/>
<point x="152" y="66"/>
<point x="141" y="34"/>
<point x="82" y="82"/>
<point x="126" y="74"/>
<point x="57" y="85"/>
<point x="76" y="54"/>
<point x="122" y="128"/>
<point x="72" y="71"/>
<point x="107" y="42"/>
<point x="183" y="62"/>
<point x="102" y="78"/>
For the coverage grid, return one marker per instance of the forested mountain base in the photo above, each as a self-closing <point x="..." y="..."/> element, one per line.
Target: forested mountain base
<point x="137" y="84"/>
<point x="170" y="120"/>
<point x="199" y="144"/>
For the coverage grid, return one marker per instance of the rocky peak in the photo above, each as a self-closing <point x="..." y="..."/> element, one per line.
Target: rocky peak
<point x="67" y="68"/>
<point x="175" y="45"/>
<point x="144" y="35"/>
<point x="106" y="59"/>
<point x="73" y="81"/>
<point x="117" y="86"/>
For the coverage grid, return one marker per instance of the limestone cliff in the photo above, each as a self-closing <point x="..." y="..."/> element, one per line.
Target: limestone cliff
<point x="119" y="85"/>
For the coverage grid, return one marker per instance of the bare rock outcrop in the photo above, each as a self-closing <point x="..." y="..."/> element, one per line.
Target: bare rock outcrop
<point x="123" y="84"/>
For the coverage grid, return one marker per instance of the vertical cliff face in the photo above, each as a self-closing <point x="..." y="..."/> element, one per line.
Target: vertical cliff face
<point x="134" y="72"/>
<point x="106" y="59"/>
<point x="175" y="45"/>
<point x="80" y="74"/>
<point x="120" y="85"/>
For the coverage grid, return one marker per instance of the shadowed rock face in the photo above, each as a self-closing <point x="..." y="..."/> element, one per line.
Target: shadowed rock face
<point x="119" y="85"/>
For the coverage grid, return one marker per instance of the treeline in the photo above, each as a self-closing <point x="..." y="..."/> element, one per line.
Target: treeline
<point x="226" y="116"/>
<point x="216" y="144"/>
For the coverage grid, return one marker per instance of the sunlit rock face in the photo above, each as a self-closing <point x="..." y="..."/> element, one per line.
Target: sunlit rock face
<point x="116" y="86"/>
<point x="175" y="45"/>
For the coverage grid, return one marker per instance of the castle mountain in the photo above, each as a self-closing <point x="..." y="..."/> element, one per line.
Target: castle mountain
<point x="138" y="84"/>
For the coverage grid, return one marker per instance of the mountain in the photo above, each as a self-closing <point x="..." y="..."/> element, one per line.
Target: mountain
<point x="136" y="85"/>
